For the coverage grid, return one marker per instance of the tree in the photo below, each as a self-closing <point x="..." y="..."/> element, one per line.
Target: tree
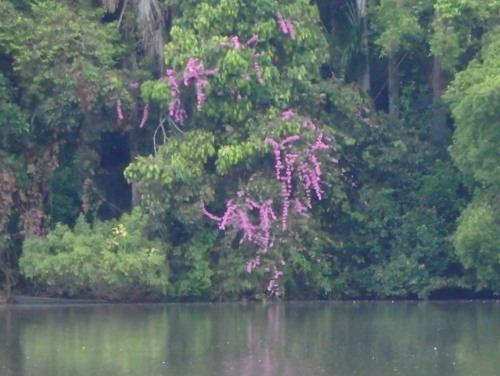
<point x="398" y="21"/>
<point x="473" y="97"/>
<point x="238" y="74"/>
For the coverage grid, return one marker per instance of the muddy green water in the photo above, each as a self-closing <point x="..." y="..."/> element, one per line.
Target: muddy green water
<point x="295" y="339"/>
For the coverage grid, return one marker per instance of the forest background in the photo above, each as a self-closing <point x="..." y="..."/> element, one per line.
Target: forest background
<point x="250" y="149"/>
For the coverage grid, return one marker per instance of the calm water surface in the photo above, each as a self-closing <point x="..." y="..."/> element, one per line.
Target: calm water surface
<point x="296" y="339"/>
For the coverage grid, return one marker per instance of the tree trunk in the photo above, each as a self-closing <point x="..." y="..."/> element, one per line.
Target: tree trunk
<point x="438" y="82"/>
<point x="393" y="86"/>
<point x="364" y="74"/>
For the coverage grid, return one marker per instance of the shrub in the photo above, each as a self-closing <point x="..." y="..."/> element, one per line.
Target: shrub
<point x="106" y="260"/>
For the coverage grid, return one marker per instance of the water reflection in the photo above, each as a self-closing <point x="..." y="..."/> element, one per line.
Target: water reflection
<point x="297" y="339"/>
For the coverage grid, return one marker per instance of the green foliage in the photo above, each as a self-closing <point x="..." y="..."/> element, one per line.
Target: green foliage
<point x="106" y="260"/>
<point x="474" y="96"/>
<point x="14" y="125"/>
<point x="477" y="241"/>
<point x="63" y="60"/>
<point x="459" y="27"/>
<point x="398" y="21"/>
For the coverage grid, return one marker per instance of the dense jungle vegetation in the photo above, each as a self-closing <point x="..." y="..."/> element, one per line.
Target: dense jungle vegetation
<point x="250" y="149"/>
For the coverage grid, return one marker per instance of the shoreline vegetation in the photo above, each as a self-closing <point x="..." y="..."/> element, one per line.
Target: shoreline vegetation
<point x="455" y="295"/>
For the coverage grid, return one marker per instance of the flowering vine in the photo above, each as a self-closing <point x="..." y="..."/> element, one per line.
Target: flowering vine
<point x="293" y="169"/>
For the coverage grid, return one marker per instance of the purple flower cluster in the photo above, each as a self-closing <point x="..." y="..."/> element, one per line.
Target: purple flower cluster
<point x="306" y="164"/>
<point x="286" y="26"/>
<point x="233" y="42"/>
<point x="238" y="216"/>
<point x="253" y="264"/>
<point x="194" y="73"/>
<point x="236" y="44"/>
<point x="287" y="115"/>
<point x="273" y="287"/>
<point x="175" y="109"/>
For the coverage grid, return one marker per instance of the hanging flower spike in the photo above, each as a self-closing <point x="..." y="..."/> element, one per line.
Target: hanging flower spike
<point x="208" y="214"/>
<point x="245" y="225"/>
<point x="200" y="95"/>
<point x="289" y="139"/>
<point x="119" y="109"/>
<point x="230" y="208"/>
<point x="286" y="26"/>
<point x="211" y="72"/>
<point x="145" y="114"/>
<point x="174" y="106"/>
<point x="315" y="175"/>
<point x="282" y="23"/>
<point x="278" y="165"/>
<point x="252" y="40"/>
<point x="300" y="208"/>
<point x="236" y="43"/>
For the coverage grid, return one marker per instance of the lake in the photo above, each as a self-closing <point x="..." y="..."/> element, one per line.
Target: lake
<point x="288" y="339"/>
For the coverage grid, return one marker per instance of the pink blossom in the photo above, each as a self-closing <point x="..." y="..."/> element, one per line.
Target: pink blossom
<point x="251" y="203"/>
<point x="309" y="124"/>
<point x="252" y="40"/>
<point x="194" y="69"/>
<point x="282" y="23"/>
<point x="245" y="225"/>
<point x="227" y="215"/>
<point x="287" y="115"/>
<point x="134" y="85"/>
<point x="175" y="107"/>
<point x="289" y="139"/>
<point x="119" y="109"/>
<point x="208" y="214"/>
<point x="319" y="143"/>
<point x="300" y="208"/>
<point x="271" y="142"/>
<point x="286" y="26"/>
<point x="277" y="156"/>
<point x="196" y="72"/>
<point x="252" y="264"/>
<point x="236" y="43"/>
<point x="211" y="72"/>
<point x="273" y="287"/>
